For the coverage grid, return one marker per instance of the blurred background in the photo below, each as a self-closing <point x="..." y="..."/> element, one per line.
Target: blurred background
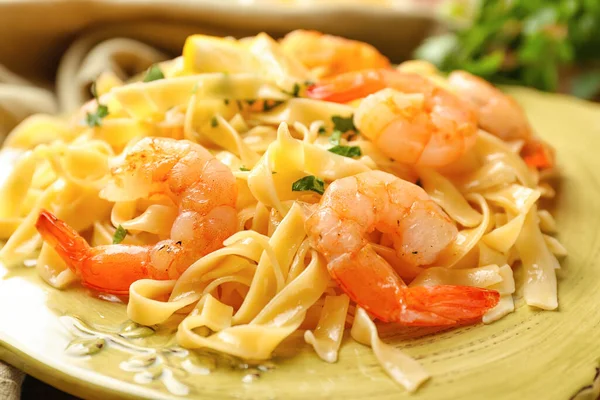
<point x="54" y="49"/>
<point x="551" y="45"/>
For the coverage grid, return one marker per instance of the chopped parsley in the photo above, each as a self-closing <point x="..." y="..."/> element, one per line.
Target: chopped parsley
<point x="243" y="168"/>
<point x="214" y="122"/>
<point x="298" y="87"/>
<point x="346" y="151"/>
<point x="322" y="130"/>
<point x="343" y="124"/>
<point x="93" y="119"/>
<point x="226" y="101"/>
<point x="271" y="104"/>
<point x="250" y="102"/>
<point x="154" y="73"/>
<point x="307" y="183"/>
<point x="119" y="235"/>
<point x="295" y="90"/>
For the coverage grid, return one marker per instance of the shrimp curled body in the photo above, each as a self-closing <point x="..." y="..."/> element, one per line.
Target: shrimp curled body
<point x="501" y="115"/>
<point x="355" y="206"/>
<point x="202" y="188"/>
<point x="408" y="117"/>
<point x="328" y="55"/>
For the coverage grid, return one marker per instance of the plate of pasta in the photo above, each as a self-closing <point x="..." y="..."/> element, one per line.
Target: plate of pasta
<point x="301" y="218"/>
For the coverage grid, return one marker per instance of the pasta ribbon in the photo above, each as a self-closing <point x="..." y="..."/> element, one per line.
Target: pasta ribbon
<point x="449" y="198"/>
<point x="400" y="367"/>
<point x="148" y="100"/>
<point x="327" y="337"/>
<point x="539" y="287"/>
<point x="53" y="269"/>
<point x="481" y="277"/>
<point x="467" y="239"/>
<point x="277" y="320"/>
<point x="285" y="241"/>
<point x="143" y="309"/>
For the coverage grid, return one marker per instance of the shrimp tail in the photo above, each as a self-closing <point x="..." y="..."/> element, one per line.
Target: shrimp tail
<point x="446" y="305"/>
<point x="69" y="245"/>
<point x="538" y="154"/>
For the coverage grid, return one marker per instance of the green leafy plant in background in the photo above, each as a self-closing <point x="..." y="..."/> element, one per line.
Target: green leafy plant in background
<point x="526" y="42"/>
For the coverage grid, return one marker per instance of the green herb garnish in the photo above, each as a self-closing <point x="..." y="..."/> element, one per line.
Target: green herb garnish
<point x="346" y="151"/>
<point x="322" y="130"/>
<point x="271" y="104"/>
<point x="93" y="119"/>
<point x="307" y="183"/>
<point x="226" y="101"/>
<point x="154" y="73"/>
<point x="242" y="168"/>
<point x="214" y="122"/>
<point x="343" y="124"/>
<point x="295" y="90"/>
<point x="250" y="102"/>
<point x="119" y="235"/>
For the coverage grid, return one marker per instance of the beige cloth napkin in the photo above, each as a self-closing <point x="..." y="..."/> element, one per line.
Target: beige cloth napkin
<point x="52" y="50"/>
<point x="10" y="382"/>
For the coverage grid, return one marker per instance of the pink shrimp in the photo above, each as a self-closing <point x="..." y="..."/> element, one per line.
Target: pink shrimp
<point x="409" y="118"/>
<point x="355" y="206"/>
<point x="201" y="186"/>
<point x="328" y="55"/>
<point x="501" y="115"/>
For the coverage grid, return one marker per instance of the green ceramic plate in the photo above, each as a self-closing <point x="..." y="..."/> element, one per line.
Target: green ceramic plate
<point x="86" y="346"/>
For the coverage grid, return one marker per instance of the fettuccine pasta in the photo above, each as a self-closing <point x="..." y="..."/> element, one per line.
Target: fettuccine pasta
<point x="257" y="189"/>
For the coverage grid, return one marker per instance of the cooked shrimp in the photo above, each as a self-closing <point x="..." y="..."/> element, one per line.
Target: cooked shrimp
<point x="355" y="206"/>
<point x="330" y="55"/>
<point x="410" y="119"/>
<point x="201" y="186"/>
<point x="501" y="115"/>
